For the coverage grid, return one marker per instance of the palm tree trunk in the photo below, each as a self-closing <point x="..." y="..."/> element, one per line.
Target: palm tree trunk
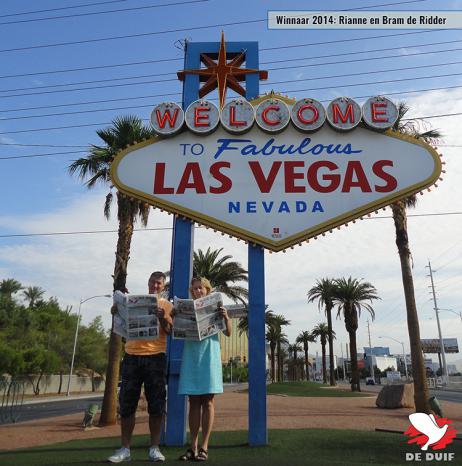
<point x="273" y="363"/>
<point x="421" y="394"/>
<point x="306" y="363"/>
<point x="125" y="216"/>
<point x="324" y="371"/>
<point x="109" y="407"/>
<point x="279" y="362"/>
<point x="295" y="366"/>
<point x="354" y="363"/>
<point x="331" y="346"/>
<point x="60" y="382"/>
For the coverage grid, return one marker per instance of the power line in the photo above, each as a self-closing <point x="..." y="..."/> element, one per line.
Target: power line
<point x="163" y="60"/>
<point x="86" y="147"/>
<point x="124" y="10"/>
<point x="365" y="59"/>
<point x="264" y="84"/>
<point x="450" y="248"/>
<point x="61" y="8"/>
<point x="447" y="263"/>
<point x="29" y="130"/>
<point x="153" y="33"/>
<point x="16" y="235"/>
<point x="269" y="69"/>
<point x="130" y="36"/>
<point x="457" y="277"/>
<point x="72" y="104"/>
<point x="38" y="145"/>
<point x="120" y="1"/>
<point x="414" y="215"/>
<point x="120" y="10"/>
<point x="90" y="232"/>
<point x="42" y="155"/>
<point x="88" y="82"/>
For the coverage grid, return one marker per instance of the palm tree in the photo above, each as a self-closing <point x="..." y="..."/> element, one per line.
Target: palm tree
<point x="95" y="168"/>
<point x="9" y="286"/>
<point x="421" y="394"/>
<point x="305" y="338"/>
<point x="221" y="273"/>
<point x="282" y="356"/>
<point x="32" y="294"/>
<point x="323" y="291"/>
<point x="272" y="336"/>
<point x="243" y="325"/>
<point x="350" y="297"/>
<point x="280" y="321"/>
<point x="322" y="331"/>
<point x="293" y="350"/>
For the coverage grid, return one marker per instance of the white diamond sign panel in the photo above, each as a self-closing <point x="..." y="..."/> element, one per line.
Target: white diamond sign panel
<point x="276" y="190"/>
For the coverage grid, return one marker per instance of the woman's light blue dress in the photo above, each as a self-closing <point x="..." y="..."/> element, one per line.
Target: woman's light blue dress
<point x="201" y="371"/>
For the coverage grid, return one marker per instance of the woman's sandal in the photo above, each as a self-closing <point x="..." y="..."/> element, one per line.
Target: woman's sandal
<point x="202" y="455"/>
<point x="189" y="455"/>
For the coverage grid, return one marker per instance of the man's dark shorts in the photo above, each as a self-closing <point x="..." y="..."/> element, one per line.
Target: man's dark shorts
<point x="137" y="370"/>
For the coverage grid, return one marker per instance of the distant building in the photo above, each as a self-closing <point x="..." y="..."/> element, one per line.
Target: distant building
<point x="399" y="358"/>
<point x="235" y="347"/>
<point x="382" y="362"/>
<point x="318" y="365"/>
<point x="318" y="362"/>
<point x="452" y="369"/>
<point x="376" y="351"/>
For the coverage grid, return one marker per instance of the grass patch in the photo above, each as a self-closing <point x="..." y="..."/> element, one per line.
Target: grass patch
<point x="312" y="389"/>
<point x="294" y="447"/>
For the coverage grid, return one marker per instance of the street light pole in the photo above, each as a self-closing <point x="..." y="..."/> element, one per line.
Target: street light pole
<point x="457" y="313"/>
<point x="76" y="334"/>
<point x="404" y="355"/>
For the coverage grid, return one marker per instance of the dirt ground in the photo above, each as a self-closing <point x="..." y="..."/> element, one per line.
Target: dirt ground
<point x="231" y="414"/>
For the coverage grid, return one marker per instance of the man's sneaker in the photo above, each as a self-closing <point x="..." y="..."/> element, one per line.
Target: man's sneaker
<point x="120" y="455"/>
<point x="155" y="454"/>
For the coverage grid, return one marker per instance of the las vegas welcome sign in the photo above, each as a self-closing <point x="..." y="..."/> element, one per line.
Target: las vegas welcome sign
<point x="275" y="171"/>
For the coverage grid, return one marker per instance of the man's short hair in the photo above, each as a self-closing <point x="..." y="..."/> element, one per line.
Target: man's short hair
<point x="157" y="275"/>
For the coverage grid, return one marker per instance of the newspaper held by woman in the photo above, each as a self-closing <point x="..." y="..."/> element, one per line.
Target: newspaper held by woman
<point x="198" y="319"/>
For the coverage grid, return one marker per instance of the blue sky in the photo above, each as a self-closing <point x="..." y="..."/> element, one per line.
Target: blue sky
<point x="38" y="195"/>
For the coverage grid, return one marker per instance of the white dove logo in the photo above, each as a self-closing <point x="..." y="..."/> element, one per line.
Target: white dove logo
<point x="426" y="424"/>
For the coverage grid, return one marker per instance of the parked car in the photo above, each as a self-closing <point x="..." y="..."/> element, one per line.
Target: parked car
<point x="370" y="381"/>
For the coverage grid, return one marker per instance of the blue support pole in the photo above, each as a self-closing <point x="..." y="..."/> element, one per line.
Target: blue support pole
<point x="181" y="272"/>
<point x="258" y="433"/>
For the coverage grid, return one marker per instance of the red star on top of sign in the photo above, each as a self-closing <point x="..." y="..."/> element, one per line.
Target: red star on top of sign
<point x="222" y="73"/>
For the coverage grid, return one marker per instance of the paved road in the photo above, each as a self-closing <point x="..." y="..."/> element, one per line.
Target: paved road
<point x="35" y="409"/>
<point x="445" y="395"/>
<point x="41" y="410"/>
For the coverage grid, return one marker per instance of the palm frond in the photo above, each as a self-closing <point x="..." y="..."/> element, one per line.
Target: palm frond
<point x="107" y="204"/>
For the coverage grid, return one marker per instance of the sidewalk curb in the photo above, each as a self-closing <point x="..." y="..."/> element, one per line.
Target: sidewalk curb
<point x="50" y="399"/>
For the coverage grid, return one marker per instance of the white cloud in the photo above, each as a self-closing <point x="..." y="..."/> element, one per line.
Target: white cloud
<point x="6" y="140"/>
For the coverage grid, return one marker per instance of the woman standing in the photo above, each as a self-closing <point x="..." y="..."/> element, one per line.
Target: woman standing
<point x="201" y="378"/>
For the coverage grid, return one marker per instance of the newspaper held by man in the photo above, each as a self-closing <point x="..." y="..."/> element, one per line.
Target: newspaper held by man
<point x="136" y="317"/>
<point x="198" y="319"/>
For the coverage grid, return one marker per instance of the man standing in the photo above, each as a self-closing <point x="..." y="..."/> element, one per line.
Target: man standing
<point x="145" y="363"/>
